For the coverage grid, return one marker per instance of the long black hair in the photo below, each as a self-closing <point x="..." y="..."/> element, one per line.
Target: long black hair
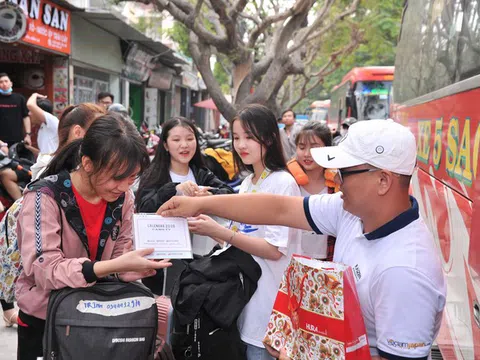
<point x="315" y="128"/>
<point x="262" y="124"/>
<point x="158" y="174"/>
<point x="111" y="142"/>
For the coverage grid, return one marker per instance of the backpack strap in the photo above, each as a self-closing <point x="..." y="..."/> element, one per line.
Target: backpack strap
<point x="6" y="228"/>
<point x="59" y="187"/>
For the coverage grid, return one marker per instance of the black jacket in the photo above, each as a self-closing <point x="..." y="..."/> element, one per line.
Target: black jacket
<point x="152" y="198"/>
<point x="207" y="300"/>
<point x="219" y="285"/>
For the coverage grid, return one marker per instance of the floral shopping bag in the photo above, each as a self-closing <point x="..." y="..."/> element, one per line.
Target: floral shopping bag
<point x="317" y="313"/>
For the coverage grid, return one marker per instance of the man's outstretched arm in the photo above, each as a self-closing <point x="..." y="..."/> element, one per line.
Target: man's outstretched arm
<point x="261" y="209"/>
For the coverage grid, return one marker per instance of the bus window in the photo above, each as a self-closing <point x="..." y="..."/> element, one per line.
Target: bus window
<point x="371" y="99"/>
<point x="318" y="110"/>
<point x="409" y="50"/>
<point x="440" y="45"/>
<point x="319" y="114"/>
<point x="338" y="105"/>
<point x="469" y="63"/>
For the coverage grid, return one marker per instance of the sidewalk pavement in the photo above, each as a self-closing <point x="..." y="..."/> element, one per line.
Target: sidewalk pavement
<point x="8" y="342"/>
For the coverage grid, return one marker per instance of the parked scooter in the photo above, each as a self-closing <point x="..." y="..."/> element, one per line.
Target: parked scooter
<point x="18" y="158"/>
<point x="211" y="140"/>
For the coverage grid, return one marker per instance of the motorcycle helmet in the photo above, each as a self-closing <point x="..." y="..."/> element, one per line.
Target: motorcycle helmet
<point x="120" y="109"/>
<point x="349" y="122"/>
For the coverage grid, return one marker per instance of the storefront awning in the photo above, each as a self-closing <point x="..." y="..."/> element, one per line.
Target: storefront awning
<point x="114" y="24"/>
<point x="206" y="104"/>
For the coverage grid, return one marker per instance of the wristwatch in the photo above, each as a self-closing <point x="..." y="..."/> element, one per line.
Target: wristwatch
<point x="28" y="133"/>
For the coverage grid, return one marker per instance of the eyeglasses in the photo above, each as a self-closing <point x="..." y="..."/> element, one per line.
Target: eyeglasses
<point x="340" y="175"/>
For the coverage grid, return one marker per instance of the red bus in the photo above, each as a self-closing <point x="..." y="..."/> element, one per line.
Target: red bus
<point x="435" y="93"/>
<point x="364" y="94"/>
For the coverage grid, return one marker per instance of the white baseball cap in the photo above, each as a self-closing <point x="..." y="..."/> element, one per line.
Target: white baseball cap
<point x="384" y="144"/>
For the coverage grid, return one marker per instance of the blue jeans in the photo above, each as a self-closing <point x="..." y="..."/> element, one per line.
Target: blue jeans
<point x="257" y="353"/>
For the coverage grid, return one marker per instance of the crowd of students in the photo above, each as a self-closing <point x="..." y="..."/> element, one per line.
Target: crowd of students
<point x="100" y="155"/>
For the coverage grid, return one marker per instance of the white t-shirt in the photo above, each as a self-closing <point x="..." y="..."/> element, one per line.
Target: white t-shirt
<point x="39" y="167"/>
<point x="182" y="178"/>
<point x="254" y="318"/>
<point x="398" y="275"/>
<point x="311" y="244"/>
<point x="48" y="134"/>
<point x="201" y="245"/>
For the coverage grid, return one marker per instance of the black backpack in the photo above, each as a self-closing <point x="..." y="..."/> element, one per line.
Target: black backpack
<point x="115" y="319"/>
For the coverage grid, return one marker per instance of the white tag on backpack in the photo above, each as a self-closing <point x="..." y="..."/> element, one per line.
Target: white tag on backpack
<point x="116" y="307"/>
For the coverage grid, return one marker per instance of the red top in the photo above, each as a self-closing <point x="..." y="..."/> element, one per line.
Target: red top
<point x="92" y="216"/>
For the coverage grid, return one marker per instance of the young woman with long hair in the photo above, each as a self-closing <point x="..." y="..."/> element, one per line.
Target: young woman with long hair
<point x="177" y="169"/>
<point x="73" y="124"/>
<point x="75" y="225"/>
<point x="258" y="150"/>
<point x="314" y="134"/>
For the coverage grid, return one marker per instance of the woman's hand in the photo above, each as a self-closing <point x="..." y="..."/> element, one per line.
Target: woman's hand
<point x="135" y="261"/>
<point x="280" y="355"/>
<point x="188" y="188"/>
<point x="204" y="191"/>
<point x="205" y="225"/>
<point x="136" y="275"/>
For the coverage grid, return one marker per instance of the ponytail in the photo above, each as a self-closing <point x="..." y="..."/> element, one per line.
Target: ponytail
<point x="68" y="158"/>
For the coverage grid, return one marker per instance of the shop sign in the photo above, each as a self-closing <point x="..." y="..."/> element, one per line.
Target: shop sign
<point x="190" y="80"/>
<point x="19" y="56"/>
<point x="138" y="64"/>
<point x="160" y="80"/>
<point x="49" y="25"/>
<point x="13" y="22"/>
<point x="60" y="85"/>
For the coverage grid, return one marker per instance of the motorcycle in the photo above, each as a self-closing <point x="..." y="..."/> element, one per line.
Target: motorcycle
<point x="210" y="140"/>
<point x="18" y="158"/>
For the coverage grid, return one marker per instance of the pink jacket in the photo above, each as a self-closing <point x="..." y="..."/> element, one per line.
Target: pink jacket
<point x="55" y="268"/>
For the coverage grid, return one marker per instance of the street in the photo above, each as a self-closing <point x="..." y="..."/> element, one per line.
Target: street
<point x="8" y="342"/>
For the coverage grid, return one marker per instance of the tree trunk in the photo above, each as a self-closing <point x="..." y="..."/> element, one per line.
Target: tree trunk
<point x="242" y="81"/>
<point x="201" y="55"/>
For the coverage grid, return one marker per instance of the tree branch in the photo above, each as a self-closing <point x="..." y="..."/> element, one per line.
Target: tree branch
<point x="259" y="8"/>
<point x="284" y="34"/>
<point x="220" y="7"/>
<point x="237" y="8"/>
<point x="277" y="70"/>
<point x="261" y="67"/>
<point x="181" y="10"/>
<point x="249" y="17"/>
<point x="306" y="38"/>
<point x="270" y="20"/>
<point x="321" y="14"/>
<point x="324" y="70"/>
<point x="183" y="5"/>
<point x="194" y="15"/>
<point x="212" y="16"/>
<point x="201" y="54"/>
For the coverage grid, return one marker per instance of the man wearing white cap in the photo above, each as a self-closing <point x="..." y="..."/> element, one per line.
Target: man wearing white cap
<point x="378" y="229"/>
